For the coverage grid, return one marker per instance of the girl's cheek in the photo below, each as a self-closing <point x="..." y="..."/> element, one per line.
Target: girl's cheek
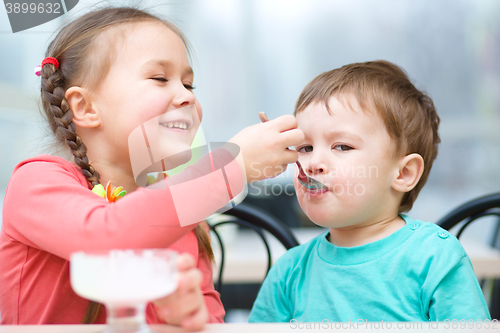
<point x="154" y="109"/>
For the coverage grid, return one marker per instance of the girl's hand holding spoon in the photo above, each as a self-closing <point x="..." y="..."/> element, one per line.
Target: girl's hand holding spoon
<point x="264" y="147"/>
<point x="304" y="179"/>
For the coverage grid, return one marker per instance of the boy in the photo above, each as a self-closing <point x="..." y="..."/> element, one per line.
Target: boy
<point x="371" y="138"/>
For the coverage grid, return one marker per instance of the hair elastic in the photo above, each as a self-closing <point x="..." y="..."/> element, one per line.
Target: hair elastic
<point x="48" y="60"/>
<point x="111" y="195"/>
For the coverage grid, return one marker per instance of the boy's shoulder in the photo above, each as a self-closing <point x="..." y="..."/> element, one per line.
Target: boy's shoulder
<point x="433" y="238"/>
<point x="424" y="241"/>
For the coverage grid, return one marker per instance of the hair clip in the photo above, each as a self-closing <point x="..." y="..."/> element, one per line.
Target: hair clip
<point x="48" y="60"/>
<point x="110" y="195"/>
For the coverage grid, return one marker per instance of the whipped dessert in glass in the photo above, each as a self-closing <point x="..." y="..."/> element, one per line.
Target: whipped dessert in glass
<point x="124" y="281"/>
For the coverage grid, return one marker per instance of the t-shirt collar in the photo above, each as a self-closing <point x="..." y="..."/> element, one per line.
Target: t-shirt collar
<point x="356" y="255"/>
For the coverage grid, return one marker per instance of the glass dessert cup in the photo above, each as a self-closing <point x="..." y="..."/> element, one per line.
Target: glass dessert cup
<point x="124" y="281"/>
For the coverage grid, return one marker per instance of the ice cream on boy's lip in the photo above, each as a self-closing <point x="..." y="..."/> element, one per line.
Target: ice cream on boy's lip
<point x="317" y="191"/>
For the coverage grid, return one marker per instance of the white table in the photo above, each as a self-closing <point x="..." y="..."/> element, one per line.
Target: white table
<point x="246" y="257"/>
<point x="271" y="328"/>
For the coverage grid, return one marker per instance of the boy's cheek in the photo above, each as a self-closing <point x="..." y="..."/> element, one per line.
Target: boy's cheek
<point x="295" y="179"/>
<point x="298" y="187"/>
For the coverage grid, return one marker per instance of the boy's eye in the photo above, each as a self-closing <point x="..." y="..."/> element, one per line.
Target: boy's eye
<point x="305" y="149"/>
<point x="188" y="86"/>
<point x="161" y="79"/>
<point x="342" y="147"/>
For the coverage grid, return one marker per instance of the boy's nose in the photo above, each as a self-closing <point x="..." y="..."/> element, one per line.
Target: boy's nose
<point x="316" y="165"/>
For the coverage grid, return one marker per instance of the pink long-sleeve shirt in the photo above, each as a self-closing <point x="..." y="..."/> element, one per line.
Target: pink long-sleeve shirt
<point x="49" y="212"/>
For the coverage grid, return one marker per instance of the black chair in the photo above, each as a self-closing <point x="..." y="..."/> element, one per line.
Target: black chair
<point x="469" y="212"/>
<point x="258" y="220"/>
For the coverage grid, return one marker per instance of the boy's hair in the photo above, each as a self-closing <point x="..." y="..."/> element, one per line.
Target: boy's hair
<point x="85" y="57"/>
<point x="409" y="114"/>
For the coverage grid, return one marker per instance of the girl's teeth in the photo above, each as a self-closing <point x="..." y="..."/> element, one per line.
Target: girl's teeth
<point x="177" y="124"/>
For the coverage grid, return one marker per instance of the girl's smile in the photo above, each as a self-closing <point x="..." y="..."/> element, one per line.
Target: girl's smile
<point x="179" y="120"/>
<point x="182" y="125"/>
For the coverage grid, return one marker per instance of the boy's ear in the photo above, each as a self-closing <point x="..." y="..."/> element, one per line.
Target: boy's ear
<point x="84" y="115"/>
<point x="410" y="170"/>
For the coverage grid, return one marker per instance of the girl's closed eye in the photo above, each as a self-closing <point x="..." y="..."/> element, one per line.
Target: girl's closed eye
<point x="342" y="147"/>
<point x="305" y="149"/>
<point x="188" y="86"/>
<point x="159" y="78"/>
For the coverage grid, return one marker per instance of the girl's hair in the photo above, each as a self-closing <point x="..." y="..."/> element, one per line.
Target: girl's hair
<point x="84" y="58"/>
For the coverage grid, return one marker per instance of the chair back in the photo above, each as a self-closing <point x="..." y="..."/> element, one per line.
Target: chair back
<point x="488" y="205"/>
<point x="470" y="211"/>
<point x="258" y="220"/>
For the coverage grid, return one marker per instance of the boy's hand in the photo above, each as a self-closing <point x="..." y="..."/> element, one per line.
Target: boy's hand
<point x="264" y="147"/>
<point x="186" y="306"/>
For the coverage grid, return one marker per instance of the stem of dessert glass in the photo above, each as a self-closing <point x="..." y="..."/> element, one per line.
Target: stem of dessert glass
<point x="126" y="318"/>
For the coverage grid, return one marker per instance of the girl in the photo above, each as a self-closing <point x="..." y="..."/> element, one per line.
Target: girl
<point x="106" y="74"/>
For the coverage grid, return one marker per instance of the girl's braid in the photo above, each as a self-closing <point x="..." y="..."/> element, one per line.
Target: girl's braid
<point x="62" y="125"/>
<point x="60" y="118"/>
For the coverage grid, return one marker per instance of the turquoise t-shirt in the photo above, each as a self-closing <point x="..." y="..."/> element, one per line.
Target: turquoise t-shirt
<point x="418" y="273"/>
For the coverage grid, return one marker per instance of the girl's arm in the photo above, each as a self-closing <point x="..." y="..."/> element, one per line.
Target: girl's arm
<point x="48" y="206"/>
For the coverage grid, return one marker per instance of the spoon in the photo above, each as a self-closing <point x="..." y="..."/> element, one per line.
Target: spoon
<point x="304" y="179"/>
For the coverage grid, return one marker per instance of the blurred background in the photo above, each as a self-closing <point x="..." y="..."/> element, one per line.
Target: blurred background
<point x="257" y="55"/>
